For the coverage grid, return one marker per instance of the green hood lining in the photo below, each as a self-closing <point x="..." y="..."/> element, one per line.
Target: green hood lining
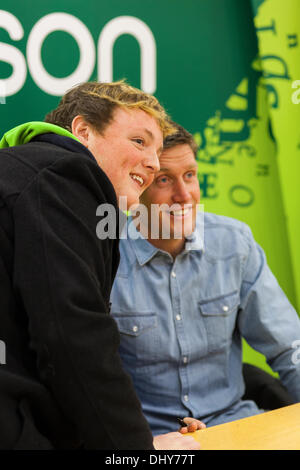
<point x="26" y="132"/>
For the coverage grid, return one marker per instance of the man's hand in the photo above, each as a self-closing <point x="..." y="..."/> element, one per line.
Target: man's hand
<point x="192" y="425"/>
<point x="175" y="441"/>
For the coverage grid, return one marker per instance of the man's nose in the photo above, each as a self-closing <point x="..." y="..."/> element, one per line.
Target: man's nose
<point x="181" y="193"/>
<point x="151" y="162"/>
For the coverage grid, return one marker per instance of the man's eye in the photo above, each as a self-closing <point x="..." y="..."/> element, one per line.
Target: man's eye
<point x="190" y="174"/>
<point x="162" y="179"/>
<point x="139" y="141"/>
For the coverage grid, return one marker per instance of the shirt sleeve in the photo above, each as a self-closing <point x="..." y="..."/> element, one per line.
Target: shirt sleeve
<point x="267" y="320"/>
<point x="63" y="276"/>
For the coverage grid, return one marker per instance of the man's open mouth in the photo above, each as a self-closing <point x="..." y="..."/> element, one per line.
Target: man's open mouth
<point x="182" y="212"/>
<point x="138" y="179"/>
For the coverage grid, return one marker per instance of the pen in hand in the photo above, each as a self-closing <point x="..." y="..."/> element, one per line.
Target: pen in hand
<point x="191" y="426"/>
<point x="182" y="423"/>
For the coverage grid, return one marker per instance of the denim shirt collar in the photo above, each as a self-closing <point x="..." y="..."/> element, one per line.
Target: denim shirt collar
<point x="145" y="251"/>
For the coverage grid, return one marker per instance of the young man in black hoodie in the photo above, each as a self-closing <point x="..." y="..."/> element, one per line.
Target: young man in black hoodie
<point x="62" y="384"/>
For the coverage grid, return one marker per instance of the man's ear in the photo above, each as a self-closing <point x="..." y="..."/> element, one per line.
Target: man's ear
<point x="81" y="130"/>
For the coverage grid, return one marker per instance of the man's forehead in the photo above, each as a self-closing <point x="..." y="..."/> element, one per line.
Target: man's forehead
<point x="134" y="117"/>
<point x="137" y="120"/>
<point x="176" y="158"/>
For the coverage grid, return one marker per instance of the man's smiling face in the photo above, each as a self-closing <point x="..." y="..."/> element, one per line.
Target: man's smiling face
<point x="175" y="185"/>
<point x="127" y="151"/>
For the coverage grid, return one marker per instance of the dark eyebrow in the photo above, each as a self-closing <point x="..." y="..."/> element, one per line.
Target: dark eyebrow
<point x="194" y="165"/>
<point x="163" y="170"/>
<point x="191" y="167"/>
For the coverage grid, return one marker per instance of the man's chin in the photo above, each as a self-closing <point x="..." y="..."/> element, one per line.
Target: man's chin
<point x="176" y="232"/>
<point x="178" y="227"/>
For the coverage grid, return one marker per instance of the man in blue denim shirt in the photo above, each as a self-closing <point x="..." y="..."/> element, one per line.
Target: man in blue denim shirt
<point x="183" y="303"/>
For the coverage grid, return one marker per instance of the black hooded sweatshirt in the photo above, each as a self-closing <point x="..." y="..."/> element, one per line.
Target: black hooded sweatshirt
<point x="62" y="385"/>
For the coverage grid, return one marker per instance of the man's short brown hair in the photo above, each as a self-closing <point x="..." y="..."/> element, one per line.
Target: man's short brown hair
<point x="96" y="103"/>
<point x="180" y="137"/>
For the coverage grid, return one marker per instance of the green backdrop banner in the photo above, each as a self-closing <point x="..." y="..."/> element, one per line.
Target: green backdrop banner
<point x="227" y="70"/>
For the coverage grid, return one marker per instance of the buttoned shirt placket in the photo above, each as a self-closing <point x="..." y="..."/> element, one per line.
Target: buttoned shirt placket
<point x="179" y="325"/>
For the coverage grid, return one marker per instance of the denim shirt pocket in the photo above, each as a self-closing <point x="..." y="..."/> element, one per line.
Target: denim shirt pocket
<point x="219" y="316"/>
<point x="139" y="339"/>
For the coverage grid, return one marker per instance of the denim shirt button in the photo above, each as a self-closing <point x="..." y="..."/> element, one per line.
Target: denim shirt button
<point x="186" y="398"/>
<point x="135" y="328"/>
<point x="173" y="274"/>
<point x="178" y="317"/>
<point x="225" y="308"/>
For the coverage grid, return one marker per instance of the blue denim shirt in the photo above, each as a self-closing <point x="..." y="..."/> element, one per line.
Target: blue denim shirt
<point x="182" y="322"/>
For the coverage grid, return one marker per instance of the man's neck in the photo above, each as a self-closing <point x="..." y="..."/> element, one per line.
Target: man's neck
<point x="174" y="246"/>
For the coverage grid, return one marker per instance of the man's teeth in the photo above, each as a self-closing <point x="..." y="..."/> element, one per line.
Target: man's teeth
<point x="138" y="178"/>
<point x="181" y="211"/>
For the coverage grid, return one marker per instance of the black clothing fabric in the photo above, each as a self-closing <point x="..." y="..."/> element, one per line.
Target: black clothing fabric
<point x="62" y="385"/>
<point x="264" y="389"/>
